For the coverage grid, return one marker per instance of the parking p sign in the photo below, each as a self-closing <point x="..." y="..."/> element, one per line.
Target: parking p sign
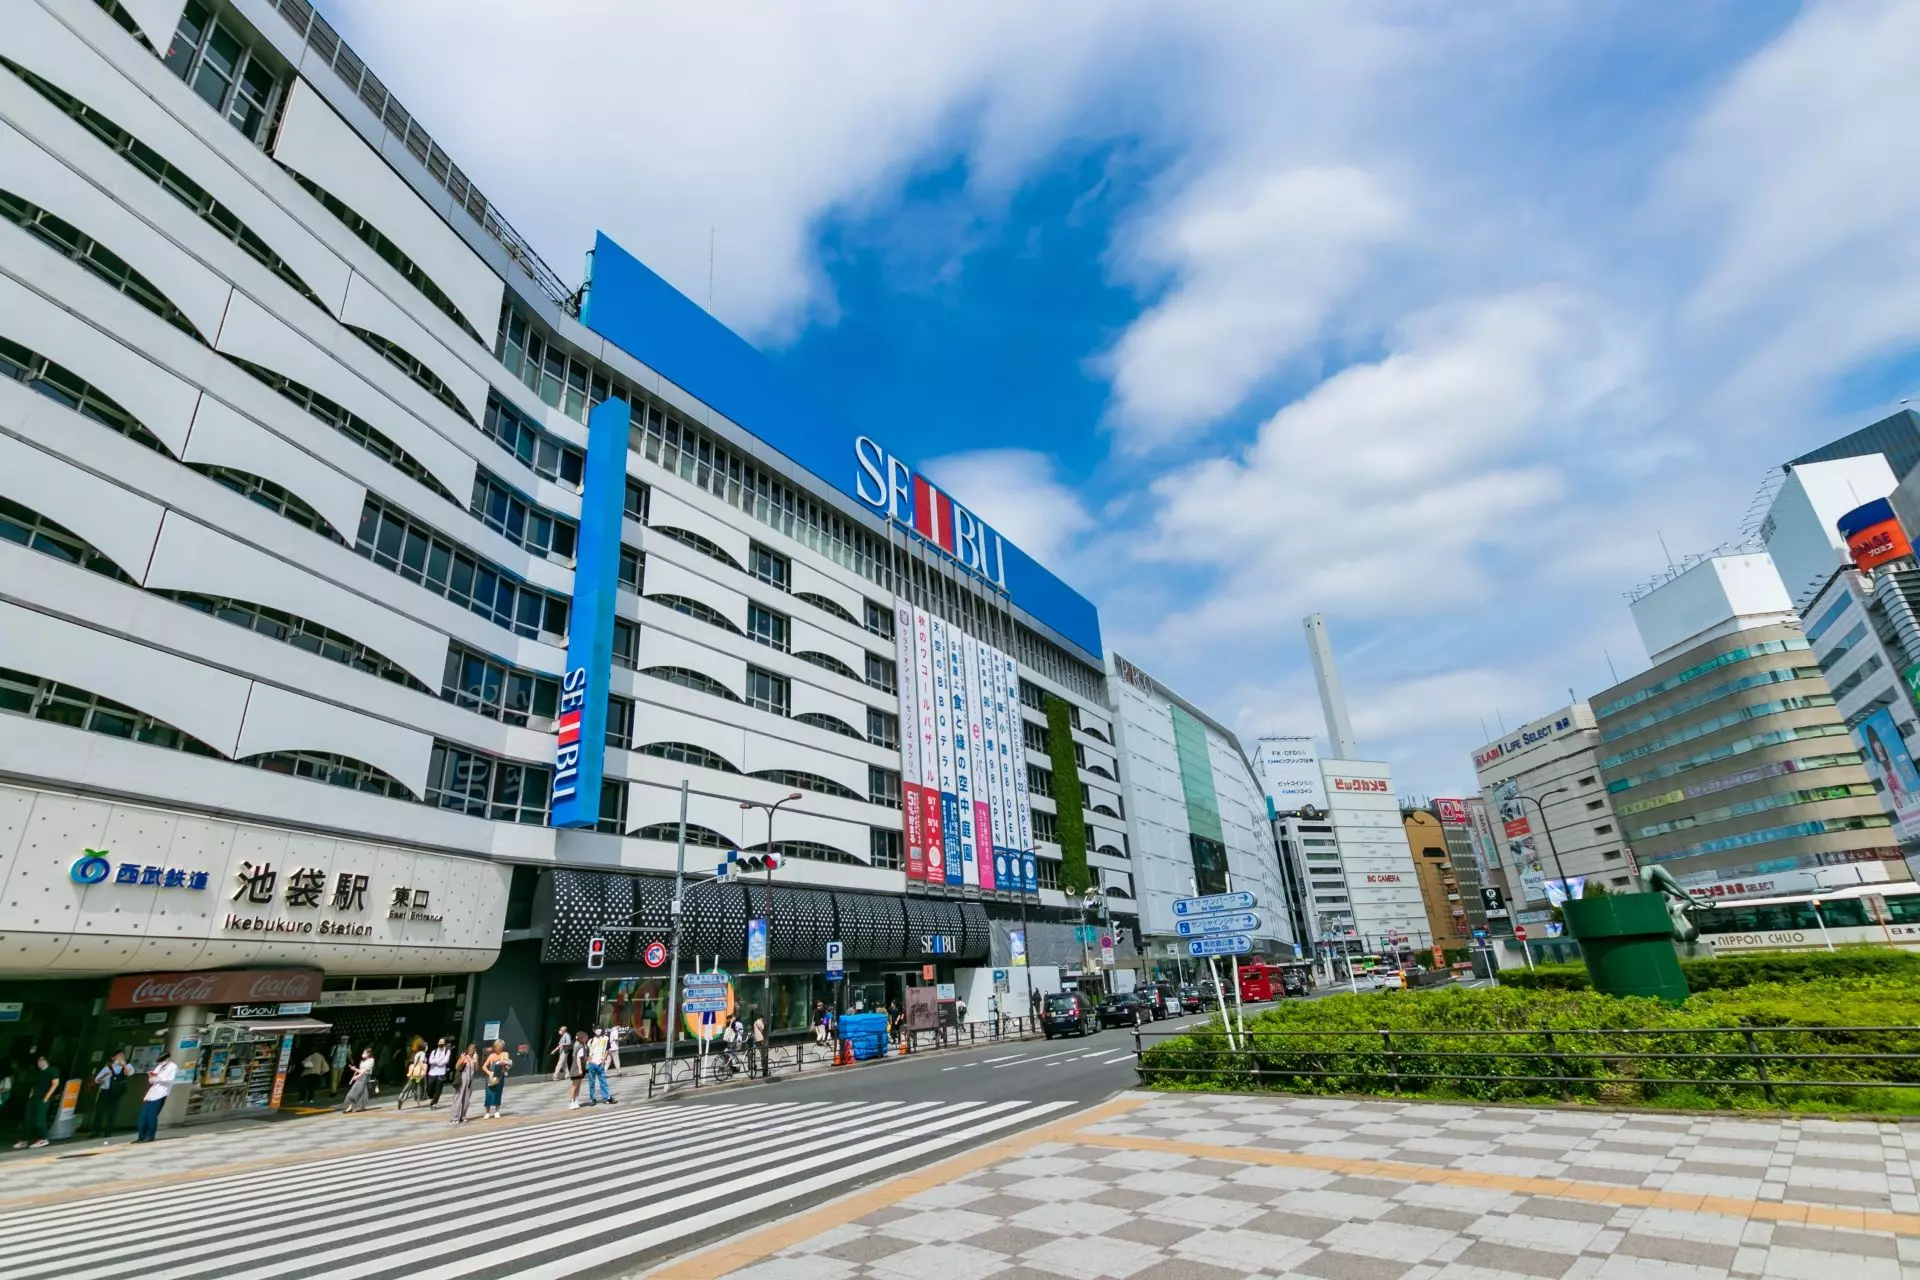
<point x="836" y="961"/>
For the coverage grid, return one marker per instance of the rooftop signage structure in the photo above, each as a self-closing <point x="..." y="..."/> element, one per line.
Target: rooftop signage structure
<point x="632" y="307"/>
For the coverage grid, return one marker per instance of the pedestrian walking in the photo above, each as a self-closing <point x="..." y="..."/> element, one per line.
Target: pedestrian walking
<point x="597" y="1052"/>
<point x="109" y="1083"/>
<point x="315" y="1070"/>
<point x="437" y="1062"/>
<point x="613" y="1049"/>
<point x="416" y="1085"/>
<point x="819" y="1022"/>
<point x="495" y="1068"/>
<point x="576" y="1072"/>
<point x="759" y="1045"/>
<point x="159" y="1085"/>
<point x="464" y="1071"/>
<point x="360" y="1086"/>
<point x="42" y="1083"/>
<point x="562" y="1055"/>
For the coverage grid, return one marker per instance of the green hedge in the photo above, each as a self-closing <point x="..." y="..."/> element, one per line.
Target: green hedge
<point x="1358" y="1044"/>
<point x="1722" y="972"/>
<point x="1071" y="823"/>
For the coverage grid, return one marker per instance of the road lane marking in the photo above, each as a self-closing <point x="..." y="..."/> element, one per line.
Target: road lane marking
<point x="1011" y="1057"/>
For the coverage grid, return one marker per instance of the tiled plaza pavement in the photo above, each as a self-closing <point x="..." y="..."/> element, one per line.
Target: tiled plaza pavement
<point x="82" y="1163"/>
<point x="1189" y="1187"/>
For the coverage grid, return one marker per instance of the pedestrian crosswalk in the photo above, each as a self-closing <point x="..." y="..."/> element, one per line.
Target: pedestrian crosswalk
<point x="581" y="1195"/>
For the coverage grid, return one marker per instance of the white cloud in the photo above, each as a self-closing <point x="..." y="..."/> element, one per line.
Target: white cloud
<point x="1258" y="268"/>
<point x="1017" y="492"/>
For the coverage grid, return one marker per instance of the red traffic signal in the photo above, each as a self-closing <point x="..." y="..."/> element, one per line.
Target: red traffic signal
<point x="596" y="953"/>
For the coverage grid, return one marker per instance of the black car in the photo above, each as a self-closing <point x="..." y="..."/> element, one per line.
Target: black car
<point x="1195" y="1000"/>
<point x="1067" y="1011"/>
<point x="1164" y="997"/>
<point x="1129" y="1010"/>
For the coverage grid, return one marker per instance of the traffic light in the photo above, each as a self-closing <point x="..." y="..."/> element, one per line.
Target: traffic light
<point x="739" y="863"/>
<point x="596" y="953"/>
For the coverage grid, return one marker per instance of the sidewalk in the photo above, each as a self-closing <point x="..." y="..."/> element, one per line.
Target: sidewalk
<point x="83" y="1163"/>
<point x="1212" y="1187"/>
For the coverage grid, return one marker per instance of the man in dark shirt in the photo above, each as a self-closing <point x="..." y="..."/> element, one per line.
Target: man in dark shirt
<point x="43" y="1083"/>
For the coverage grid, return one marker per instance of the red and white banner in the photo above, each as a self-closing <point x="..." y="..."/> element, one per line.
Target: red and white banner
<point x="934" y="835"/>
<point x="912" y="814"/>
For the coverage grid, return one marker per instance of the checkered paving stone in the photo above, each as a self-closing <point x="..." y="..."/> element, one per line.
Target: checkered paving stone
<point x="1164" y="1192"/>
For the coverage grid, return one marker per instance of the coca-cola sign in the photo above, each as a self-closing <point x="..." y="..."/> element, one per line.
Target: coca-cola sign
<point x="217" y="986"/>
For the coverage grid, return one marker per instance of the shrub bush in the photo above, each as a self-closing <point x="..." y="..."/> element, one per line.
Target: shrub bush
<point x="1503" y="1044"/>
<point x="1723" y="972"/>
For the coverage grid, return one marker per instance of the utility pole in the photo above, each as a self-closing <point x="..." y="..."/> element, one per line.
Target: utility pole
<point x="673" y="914"/>
<point x="766" y="975"/>
<point x="1553" y="846"/>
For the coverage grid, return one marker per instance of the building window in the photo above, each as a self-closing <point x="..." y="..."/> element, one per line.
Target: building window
<point x="217" y="64"/>
<point x="50" y="538"/>
<point x="334" y="770"/>
<point x="697" y="609"/>
<point x="639" y="499"/>
<point x="695" y="680"/>
<point x="687" y="753"/>
<point x="769" y="566"/>
<point x="1035" y="736"/>
<point x="394" y="540"/>
<point x="1040" y="781"/>
<point x="882" y="674"/>
<point x="1596" y="804"/>
<point x="767" y="627"/>
<point x="883" y="728"/>
<point x="102" y="263"/>
<point x="411" y="365"/>
<point x="827" y="662"/>
<point x="510" y="515"/>
<point x="705" y="837"/>
<point x="27" y="695"/>
<point x="768" y="692"/>
<point x="1043" y="827"/>
<point x="1031" y="695"/>
<point x="287" y="628"/>
<point x="480" y="682"/>
<point x="350" y="425"/>
<point x="1587" y="781"/>
<point x="613" y="807"/>
<point x="880" y="620"/>
<point x="274" y="497"/>
<point x="485" y="786"/>
<point x="806" y="782"/>
<point x="705" y="546"/>
<point x="56" y="382"/>
<point x="1046" y="872"/>
<point x="832" y="724"/>
<point x="887" y="853"/>
<point x="1611" y="855"/>
<point x="539" y="452"/>
<point x="826" y="606"/>
<point x="626" y="644"/>
<point x="619" y="721"/>
<point x="1605" y="828"/>
<point x="633" y="570"/>
<point x="883" y="786"/>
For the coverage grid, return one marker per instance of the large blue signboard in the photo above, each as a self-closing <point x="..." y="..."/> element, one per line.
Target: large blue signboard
<point x="655" y="323"/>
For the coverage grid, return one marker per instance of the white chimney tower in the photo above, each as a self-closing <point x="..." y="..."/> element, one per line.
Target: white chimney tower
<point x="1332" y="701"/>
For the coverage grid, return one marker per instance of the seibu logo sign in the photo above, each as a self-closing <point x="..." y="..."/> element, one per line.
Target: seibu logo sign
<point x="219" y="986"/>
<point x="890" y="487"/>
<point x="1360" y="784"/>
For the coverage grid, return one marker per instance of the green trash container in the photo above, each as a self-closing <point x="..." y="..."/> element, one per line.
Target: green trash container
<point x="1627" y="940"/>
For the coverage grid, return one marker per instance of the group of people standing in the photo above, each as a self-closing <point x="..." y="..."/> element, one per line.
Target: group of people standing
<point x="42" y="1085"/>
<point x="586" y="1057"/>
<point x="428" y="1073"/>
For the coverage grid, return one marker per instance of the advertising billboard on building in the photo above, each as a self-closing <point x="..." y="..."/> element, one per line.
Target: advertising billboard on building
<point x="1874" y="535"/>
<point x="912" y="784"/>
<point x="963" y="747"/>
<point x="1891" y="767"/>
<point x="1523" y="850"/>
<point x="1452" y="813"/>
<point x="1289" y="770"/>
<point x="934" y="810"/>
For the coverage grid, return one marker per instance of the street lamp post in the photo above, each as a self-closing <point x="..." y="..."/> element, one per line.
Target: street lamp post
<point x="766" y="976"/>
<point x="1566" y="890"/>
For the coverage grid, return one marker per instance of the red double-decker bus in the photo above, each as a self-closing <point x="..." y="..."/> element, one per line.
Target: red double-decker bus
<point x="1262" y="981"/>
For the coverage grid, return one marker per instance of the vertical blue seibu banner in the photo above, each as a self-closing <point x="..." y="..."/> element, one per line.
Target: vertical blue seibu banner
<point x="580" y="731"/>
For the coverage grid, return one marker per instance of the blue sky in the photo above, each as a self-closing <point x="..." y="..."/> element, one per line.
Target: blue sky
<point x="1432" y="317"/>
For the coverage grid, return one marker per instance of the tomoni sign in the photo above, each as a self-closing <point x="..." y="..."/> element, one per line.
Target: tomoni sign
<point x="889" y="486"/>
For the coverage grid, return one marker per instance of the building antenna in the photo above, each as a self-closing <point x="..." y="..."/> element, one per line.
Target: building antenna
<point x="1484" y="735"/>
<point x="710" y="268"/>
<point x="1501" y="721"/>
<point x="1663" y="547"/>
<point x="1610" y="670"/>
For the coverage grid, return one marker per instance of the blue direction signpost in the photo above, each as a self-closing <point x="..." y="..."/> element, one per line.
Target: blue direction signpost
<point x="1236" y="922"/>
<point x="1214" y="904"/>
<point x="1224" y="944"/>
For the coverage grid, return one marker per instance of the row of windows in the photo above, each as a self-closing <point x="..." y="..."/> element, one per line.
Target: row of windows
<point x="539" y="452"/>
<point x="1832" y="913"/>
<point x="498" y="690"/>
<point x="532" y="528"/>
<point x="1747" y="839"/>
<point x="1845" y="646"/>
<point x="1705" y="727"/>
<point x="59" y="383"/>
<point x="348" y="424"/>
<point x="28" y="695"/>
<point x="101" y="262"/>
<point x="394" y="540"/>
<point x="270" y="494"/>
<point x="170" y="179"/>
<point x="1873" y="663"/>
<point x="300" y="633"/>
<point x="1779" y="675"/>
<point x="409" y="364"/>
<point x="216" y="63"/>
<point x="1792" y="645"/>
<point x="885" y="851"/>
<point x="332" y="769"/>
<point x="632" y="573"/>
<point x="1760" y="805"/>
<point x="386" y="250"/>
<point x="30" y="529"/>
<point x="1727" y="750"/>
<point x="1827" y="619"/>
<point x="485" y="786"/>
